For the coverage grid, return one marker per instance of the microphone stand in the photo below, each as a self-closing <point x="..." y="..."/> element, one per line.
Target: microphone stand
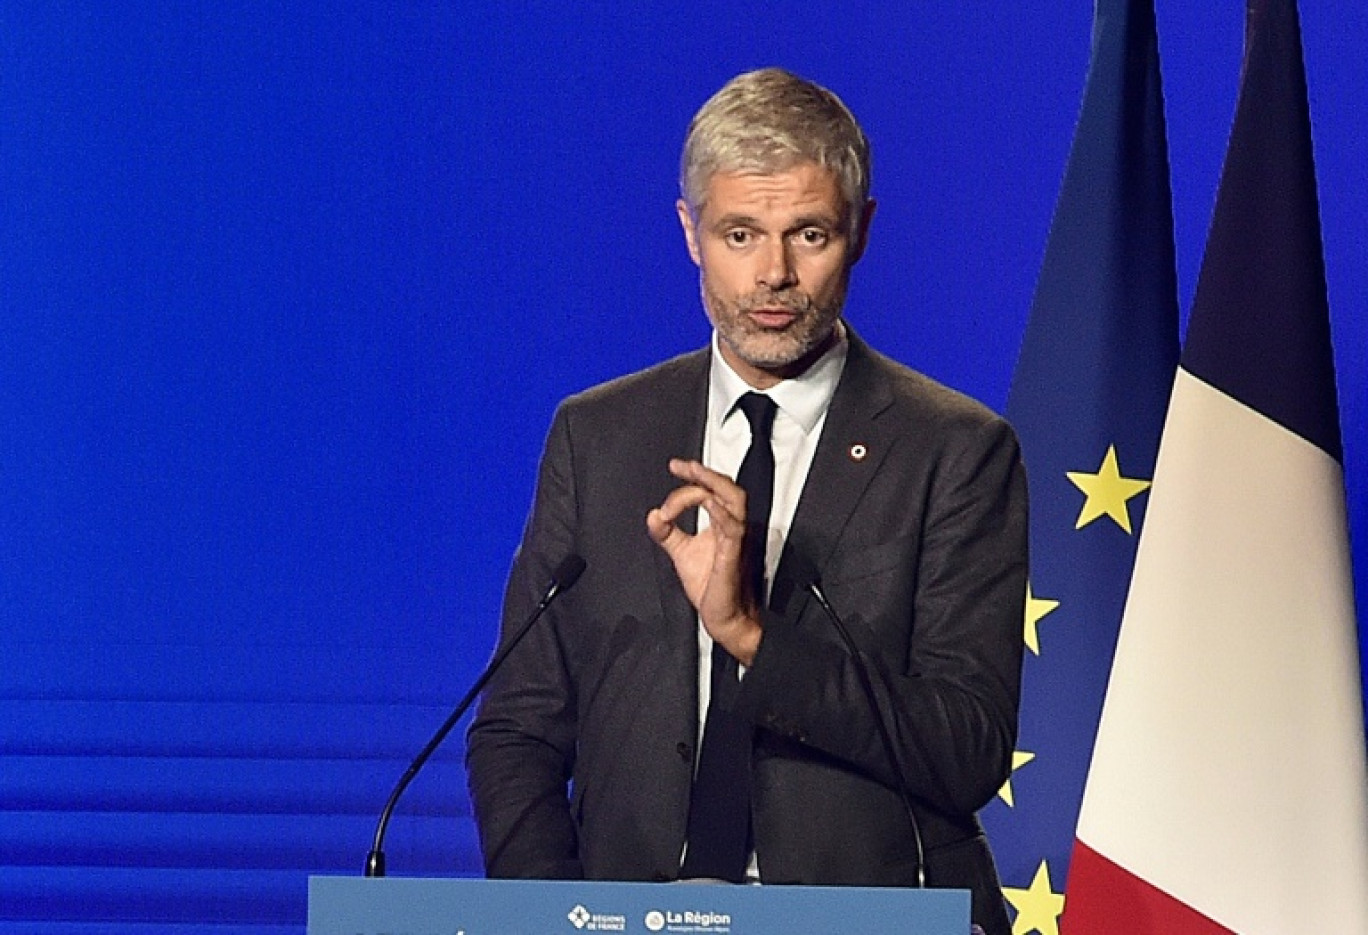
<point x="807" y="576"/>
<point x="567" y="573"/>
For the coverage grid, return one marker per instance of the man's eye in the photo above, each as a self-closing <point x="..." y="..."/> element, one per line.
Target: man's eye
<point x="738" y="238"/>
<point x="812" y="237"/>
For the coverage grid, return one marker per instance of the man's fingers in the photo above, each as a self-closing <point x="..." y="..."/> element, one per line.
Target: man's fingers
<point x="727" y="524"/>
<point x="658" y="527"/>
<point x="661" y="522"/>
<point x="696" y="473"/>
<point x="663" y="531"/>
<point x="726" y="490"/>
<point x="680" y="500"/>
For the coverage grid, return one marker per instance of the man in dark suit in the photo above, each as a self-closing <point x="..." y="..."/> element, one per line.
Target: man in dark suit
<point x="904" y="498"/>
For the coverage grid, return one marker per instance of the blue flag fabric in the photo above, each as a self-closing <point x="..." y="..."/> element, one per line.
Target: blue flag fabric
<point x="1088" y="400"/>
<point x="1260" y="327"/>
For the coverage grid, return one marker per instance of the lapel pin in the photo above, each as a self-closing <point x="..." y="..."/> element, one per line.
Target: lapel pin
<point x="858" y="452"/>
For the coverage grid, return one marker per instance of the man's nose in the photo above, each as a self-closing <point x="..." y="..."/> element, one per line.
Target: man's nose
<point x="776" y="269"/>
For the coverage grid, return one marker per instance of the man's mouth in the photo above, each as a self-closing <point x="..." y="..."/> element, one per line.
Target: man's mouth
<point x="772" y="317"/>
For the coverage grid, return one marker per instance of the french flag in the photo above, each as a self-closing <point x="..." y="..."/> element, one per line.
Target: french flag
<point x="1228" y="789"/>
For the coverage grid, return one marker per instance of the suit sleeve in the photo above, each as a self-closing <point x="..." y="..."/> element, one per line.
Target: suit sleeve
<point x="953" y="701"/>
<point x="520" y="749"/>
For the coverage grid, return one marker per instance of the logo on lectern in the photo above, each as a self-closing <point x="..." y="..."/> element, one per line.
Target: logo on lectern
<point x="689" y="922"/>
<point x="586" y="921"/>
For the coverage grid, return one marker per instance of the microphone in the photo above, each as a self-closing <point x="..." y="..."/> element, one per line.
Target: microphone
<point x="806" y="575"/>
<point x="564" y="577"/>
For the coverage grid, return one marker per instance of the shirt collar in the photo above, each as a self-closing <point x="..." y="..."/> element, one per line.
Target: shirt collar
<point x="803" y="398"/>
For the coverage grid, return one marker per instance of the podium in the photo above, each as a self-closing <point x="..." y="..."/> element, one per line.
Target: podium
<point x="421" y="906"/>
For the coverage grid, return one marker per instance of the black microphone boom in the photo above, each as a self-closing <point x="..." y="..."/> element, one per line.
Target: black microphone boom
<point x="806" y="575"/>
<point x="565" y="576"/>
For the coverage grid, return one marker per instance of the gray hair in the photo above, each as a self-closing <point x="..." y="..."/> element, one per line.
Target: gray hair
<point x="768" y="121"/>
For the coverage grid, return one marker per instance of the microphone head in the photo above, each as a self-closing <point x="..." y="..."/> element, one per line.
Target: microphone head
<point x="568" y="571"/>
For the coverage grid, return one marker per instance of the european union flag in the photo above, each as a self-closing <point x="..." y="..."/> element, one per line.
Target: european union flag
<point x="1088" y="400"/>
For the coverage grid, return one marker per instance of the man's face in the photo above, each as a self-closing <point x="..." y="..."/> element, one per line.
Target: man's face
<point x="774" y="252"/>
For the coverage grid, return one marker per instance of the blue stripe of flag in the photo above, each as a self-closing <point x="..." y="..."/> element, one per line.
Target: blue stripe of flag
<point x="1260" y="326"/>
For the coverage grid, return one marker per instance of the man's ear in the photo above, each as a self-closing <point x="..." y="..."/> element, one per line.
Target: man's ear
<point x="690" y="225"/>
<point x="861" y="238"/>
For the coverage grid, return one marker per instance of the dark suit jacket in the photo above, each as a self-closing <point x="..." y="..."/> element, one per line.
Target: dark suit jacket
<point x="920" y="544"/>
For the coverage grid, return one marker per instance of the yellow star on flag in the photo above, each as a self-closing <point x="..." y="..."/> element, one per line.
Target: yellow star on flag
<point x="1036" y="609"/>
<point x="1038" y="908"/>
<point x="1107" y="492"/>
<point x="1019" y="759"/>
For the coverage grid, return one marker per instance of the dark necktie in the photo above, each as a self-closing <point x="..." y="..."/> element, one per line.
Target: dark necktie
<point x="719" y="807"/>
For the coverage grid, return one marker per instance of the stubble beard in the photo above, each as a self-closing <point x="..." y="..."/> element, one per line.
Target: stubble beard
<point x="776" y="350"/>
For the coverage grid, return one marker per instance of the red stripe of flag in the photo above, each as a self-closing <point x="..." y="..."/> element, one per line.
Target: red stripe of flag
<point x="1105" y="898"/>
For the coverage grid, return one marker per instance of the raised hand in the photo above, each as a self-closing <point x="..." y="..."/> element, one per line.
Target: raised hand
<point x="710" y="564"/>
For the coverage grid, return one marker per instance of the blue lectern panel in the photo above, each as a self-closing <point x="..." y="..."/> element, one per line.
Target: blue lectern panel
<point x="398" y="906"/>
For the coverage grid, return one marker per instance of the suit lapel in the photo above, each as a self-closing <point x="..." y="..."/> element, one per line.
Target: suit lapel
<point x="680" y="436"/>
<point x="853" y="444"/>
